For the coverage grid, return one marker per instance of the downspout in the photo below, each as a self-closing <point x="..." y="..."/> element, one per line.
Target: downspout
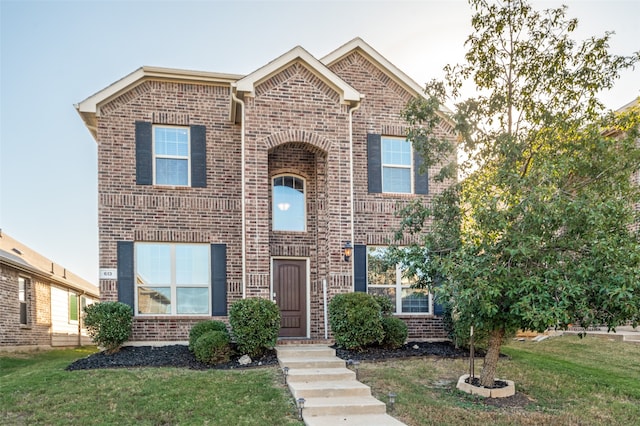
<point x="243" y="202"/>
<point x="353" y="203"/>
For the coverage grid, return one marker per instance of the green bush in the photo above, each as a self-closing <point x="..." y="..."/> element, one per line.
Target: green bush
<point x="213" y="347"/>
<point x="386" y="305"/>
<point x="109" y="324"/>
<point x="203" y="327"/>
<point x="356" y="320"/>
<point x="395" y="332"/>
<point x="255" y="324"/>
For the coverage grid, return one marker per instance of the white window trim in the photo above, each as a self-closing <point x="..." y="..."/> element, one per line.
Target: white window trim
<point x="304" y="206"/>
<point x="171" y="157"/>
<point x="396" y="166"/>
<point x="173" y="286"/>
<point x="26" y="281"/>
<point x="398" y="286"/>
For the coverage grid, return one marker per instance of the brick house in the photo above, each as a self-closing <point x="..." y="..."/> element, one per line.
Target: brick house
<point x="42" y="301"/>
<point x="216" y="187"/>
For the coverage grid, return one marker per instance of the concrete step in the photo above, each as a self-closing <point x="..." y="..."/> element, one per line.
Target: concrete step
<point x="342" y="406"/>
<point x="320" y="375"/>
<point x="343" y="389"/>
<point x="315" y="362"/>
<point x="304" y="351"/>
<point x="354" y="420"/>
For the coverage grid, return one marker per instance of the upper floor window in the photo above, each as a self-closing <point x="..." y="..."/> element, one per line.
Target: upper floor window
<point x="388" y="279"/>
<point x="397" y="165"/>
<point x="289" y="203"/>
<point x="22" y="299"/>
<point x="171" y="156"/>
<point x="394" y="167"/>
<point x="172" y="279"/>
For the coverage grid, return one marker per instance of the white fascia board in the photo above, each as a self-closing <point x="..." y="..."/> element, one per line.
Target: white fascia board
<point x="387" y="67"/>
<point x="90" y="105"/>
<point x="248" y="83"/>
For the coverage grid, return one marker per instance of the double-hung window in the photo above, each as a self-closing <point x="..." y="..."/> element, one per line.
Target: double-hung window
<point x="22" y="299"/>
<point x="397" y="165"/>
<point x="388" y="279"/>
<point x="172" y="279"/>
<point x="394" y="167"/>
<point x="171" y="153"/>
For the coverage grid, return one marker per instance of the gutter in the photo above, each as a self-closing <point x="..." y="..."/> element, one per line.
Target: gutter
<point x="242" y="192"/>
<point x="353" y="203"/>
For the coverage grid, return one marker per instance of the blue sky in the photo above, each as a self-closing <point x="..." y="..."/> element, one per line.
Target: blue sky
<point x="55" y="54"/>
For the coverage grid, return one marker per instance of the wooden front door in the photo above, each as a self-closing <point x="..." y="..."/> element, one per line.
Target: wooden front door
<point x="290" y="293"/>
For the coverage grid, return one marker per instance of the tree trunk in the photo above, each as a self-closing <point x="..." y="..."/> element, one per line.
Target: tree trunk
<point x="491" y="358"/>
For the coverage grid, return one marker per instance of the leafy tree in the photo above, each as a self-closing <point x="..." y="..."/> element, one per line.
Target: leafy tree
<point x="537" y="232"/>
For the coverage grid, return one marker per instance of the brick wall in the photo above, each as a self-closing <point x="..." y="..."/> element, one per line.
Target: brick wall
<point x="37" y="330"/>
<point x="295" y="123"/>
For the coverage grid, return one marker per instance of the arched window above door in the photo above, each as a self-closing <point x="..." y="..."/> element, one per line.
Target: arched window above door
<point x="289" y="204"/>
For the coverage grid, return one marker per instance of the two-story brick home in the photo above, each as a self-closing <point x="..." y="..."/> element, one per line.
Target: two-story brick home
<point x="216" y="187"/>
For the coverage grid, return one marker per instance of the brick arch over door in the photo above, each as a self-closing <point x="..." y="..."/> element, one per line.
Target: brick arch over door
<point x="316" y="143"/>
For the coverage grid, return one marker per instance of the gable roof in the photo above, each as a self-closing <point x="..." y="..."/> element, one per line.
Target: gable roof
<point x="381" y="62"/>
<point x="21" y="257"/>
<point x="89" y="108"/>
<point x="347" y="93"/>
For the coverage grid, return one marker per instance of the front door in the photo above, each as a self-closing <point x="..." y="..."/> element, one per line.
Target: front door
<point x="290" y="293"/>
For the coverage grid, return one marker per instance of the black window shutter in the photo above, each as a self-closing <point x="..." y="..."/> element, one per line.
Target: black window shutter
<point x="421" y="180"/>
<point x="198" y="156"/>
<point x="125" y="273"/>
<point x="438" y="309"/>
<point x="374" y="163"/>
<point x="219" y="279"/>
<point x="360" y="267"/>
<point x="144" y="153"/>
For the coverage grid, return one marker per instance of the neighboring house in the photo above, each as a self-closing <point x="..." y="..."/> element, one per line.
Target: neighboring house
<point x="216" y="187"/>
<point x="41" y="301"/>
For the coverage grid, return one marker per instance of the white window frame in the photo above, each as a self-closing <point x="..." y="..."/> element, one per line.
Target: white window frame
<point x="171" y="157"/>
<point x="173" y="286"/>
<point x="304" y="202"/>
<point x="23" y="296"/>
<point x="398" y="286"/>
<point x="396" y="166"/>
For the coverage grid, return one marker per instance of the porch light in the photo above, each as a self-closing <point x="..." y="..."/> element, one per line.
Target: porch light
<point x="347" y="250"/>
<point x="285" y="371"/>
<point x="392" y="400"/>
<point x="300" y="402"/>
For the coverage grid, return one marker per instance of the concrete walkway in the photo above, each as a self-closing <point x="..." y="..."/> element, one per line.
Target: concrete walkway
<point x="332" y="394"/>
<point x="624" y="334"/>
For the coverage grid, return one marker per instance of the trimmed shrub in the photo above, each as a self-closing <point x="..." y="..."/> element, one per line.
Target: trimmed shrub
<point x="213" y="347"/>
<point x="386" y="305"/>
<point x="203" y="327"/>
<point x="356" y="320"/>
<point x="109" y="324"/>
<point x="255" y="324"/>
<point x="395" y="332"/>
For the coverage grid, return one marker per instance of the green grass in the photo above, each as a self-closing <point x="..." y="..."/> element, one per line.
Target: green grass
<point x="569" y="381"/>
<point x="35" y="389"/>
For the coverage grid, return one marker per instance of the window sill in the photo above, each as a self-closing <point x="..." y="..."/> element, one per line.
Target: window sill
<point x="414" y="314"/>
